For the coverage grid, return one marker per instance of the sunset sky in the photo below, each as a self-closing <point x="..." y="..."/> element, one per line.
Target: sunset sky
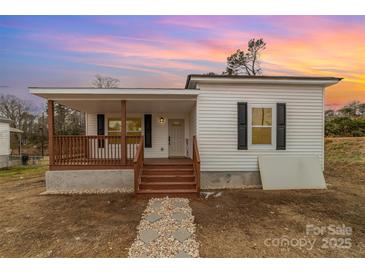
<point x="159" y="51"/>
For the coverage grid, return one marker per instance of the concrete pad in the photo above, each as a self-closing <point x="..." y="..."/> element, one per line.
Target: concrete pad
<point x="180" y="203"/>
<point x="183" y="254"/>
<point x="153" y="217"/>
<point x="178" y="216"/>
<point x="181" y="234"/>
<point x="156" y="204"/>
<point x="148" y="236"/>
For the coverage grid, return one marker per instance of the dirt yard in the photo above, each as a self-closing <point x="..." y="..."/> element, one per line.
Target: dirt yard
<point x="236" y="224"/>
<point x="34" y="225"/>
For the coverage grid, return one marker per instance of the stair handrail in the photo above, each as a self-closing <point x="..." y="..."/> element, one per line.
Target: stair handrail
<point x="196" y="163"/>
<point x="138" y="164"/>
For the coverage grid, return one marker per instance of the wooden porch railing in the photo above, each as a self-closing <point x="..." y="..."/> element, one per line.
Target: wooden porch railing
<point x="138" y="165"/>
<point x="196" y="163"/>
<point x="92" y="150"/>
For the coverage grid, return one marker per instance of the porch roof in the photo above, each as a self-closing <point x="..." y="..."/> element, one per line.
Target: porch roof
<point x="100" y="100"/>
<point x="53" y="93"/>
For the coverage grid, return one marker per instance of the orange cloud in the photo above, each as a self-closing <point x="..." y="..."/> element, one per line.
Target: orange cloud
<point x="344" y="92"/>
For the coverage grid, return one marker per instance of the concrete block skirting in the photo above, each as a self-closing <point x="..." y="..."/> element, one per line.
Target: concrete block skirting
<point x="89" y="181"/>
<point x="230" y="179"/>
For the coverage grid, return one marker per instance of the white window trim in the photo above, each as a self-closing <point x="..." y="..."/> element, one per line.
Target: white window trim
<point x="249" y="125"/>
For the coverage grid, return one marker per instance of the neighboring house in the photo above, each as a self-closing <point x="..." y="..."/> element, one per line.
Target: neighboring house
<point x="5" y="131"/>
<point x="4" y="141"/>
<point x="208" y="135"/>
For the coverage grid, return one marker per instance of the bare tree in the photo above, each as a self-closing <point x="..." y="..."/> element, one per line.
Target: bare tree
<point x="34" y="124"/>
<point x="16" y="109"/>
<point x="105" y="82"/>
<point x="68" y="121"/>
<point x="21" y="116"/>
<point x="246" y="63"/>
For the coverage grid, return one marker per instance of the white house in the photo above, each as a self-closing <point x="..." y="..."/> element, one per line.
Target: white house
<point x="5" y="136"/>
<point x="4" y="141"/>
<point x="210" y="134"/>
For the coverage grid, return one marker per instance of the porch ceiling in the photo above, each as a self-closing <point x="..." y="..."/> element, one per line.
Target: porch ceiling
<point x="133" y="106"/>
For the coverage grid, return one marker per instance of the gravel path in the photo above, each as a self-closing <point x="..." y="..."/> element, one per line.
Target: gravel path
<point x="166" y="229"/>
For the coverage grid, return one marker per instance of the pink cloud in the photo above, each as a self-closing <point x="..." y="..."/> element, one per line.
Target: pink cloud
<point x="313" y="46"/>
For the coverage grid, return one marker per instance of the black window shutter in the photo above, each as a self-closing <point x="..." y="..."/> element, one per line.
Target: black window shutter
<point x="148" y="130"/>
<point x="101" y="124"/>
<point x="242" y="125"/>
<point x="100" y="128"/>
<point x="281" y="126"/>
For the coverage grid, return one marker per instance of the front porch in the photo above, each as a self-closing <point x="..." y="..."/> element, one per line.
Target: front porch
<point x="130" y="135"/>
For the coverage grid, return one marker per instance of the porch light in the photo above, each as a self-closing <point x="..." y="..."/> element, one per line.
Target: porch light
<point x="162" y="120"/>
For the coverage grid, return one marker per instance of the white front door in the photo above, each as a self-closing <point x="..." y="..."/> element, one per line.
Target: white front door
<point x="176" y="137"/>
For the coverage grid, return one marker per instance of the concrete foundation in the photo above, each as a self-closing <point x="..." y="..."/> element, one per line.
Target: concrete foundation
<point x="107" y="181"/>
<point x="89" y="181"/>
<point x="4" y="161"/>
<point x="230" y="179"/>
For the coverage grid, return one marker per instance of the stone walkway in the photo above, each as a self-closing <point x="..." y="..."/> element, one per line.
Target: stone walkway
<point x="166" y="230"/>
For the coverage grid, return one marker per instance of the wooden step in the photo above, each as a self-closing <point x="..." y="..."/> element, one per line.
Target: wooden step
<point x="182" y="171"/>
<point x="167" y="178"/>
<point x="168" y="166"/>
<point x="170" y="178"/>
<point x="168" y="163"/>
<point x="167" y="185"/>
<point x="168" y="192"/>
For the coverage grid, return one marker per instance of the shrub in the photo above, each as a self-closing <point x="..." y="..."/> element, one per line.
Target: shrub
<point x="345" y="126"/>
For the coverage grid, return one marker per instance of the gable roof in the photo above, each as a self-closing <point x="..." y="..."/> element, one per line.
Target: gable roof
<point x="193" y="79"/>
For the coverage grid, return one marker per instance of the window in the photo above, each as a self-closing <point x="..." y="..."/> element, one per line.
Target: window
<point x="261" y="125"/>
<point x="134" y="127"/>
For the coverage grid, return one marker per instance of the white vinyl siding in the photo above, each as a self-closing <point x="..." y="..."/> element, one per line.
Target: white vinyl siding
<point x="4" y="139"/>
<point x="217" y="123"/>
<point x="160" y="138"/>
<point x="91" y="124"/>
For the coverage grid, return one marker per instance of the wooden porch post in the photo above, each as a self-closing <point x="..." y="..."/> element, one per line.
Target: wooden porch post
<point x="123" y="133"/>
<point x="50" y="131"/>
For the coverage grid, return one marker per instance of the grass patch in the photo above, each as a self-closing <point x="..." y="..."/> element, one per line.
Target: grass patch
<point x="345" y="159"/>
<point x="22" y="172"/>
<point x="345" y="150"/>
